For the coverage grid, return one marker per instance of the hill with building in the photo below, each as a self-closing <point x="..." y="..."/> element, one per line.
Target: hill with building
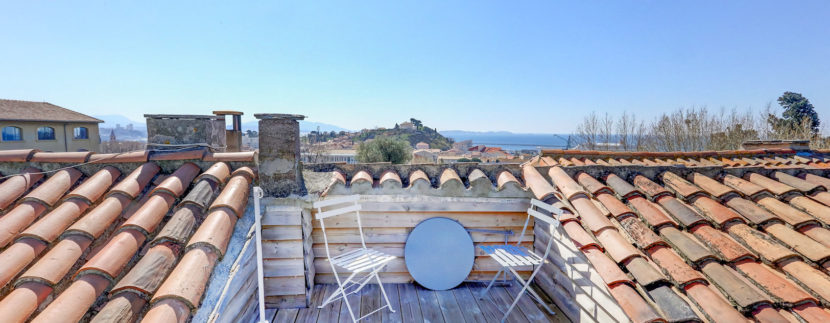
<point x="412" y="131"/>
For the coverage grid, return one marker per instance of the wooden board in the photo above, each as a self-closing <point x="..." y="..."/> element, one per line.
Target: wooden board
<point x="396" y="220"/>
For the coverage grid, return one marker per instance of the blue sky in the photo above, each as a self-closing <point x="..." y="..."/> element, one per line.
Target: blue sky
<point x="519" y="66"/>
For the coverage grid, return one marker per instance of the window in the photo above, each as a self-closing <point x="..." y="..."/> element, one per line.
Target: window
<point x="12" y="134"/>
<point x="81" y="133"/>
<point x="45" y="133"/>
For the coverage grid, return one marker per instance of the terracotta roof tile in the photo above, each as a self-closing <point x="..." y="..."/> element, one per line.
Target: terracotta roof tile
<point x="115" y="255"/>
<point x="759" y="242"/>
<point x="812" y="278"/>
<point x="57" y="262"/>
<point x="817" y="233"/>
<point x="815" y="179"/>
<point x="579" y="236"/>
<point x="14" y="187"/>
<point x="17" y="256"/>
<point x="728" y="249"/>
<point x="811" y="313"/>
<point x="94" y="187"/>
<point x="147" y="274"/>
<point x="127" y="157"/>
<point x="565" y="183"/>
<point x="234" y="196"/>
<point x="634" y="305"/>
<point x="644" y="272"/>
<point x="149" y="216"/>
<point x="745" y="187"/>
<point x="654" y="216"/>
<point x="816" y="209"/>
<point x="620" y="186"/>
<point x="616" y="245"/>
<point x="739" y="292"/>
<point x="419" y="175"/>
<point x="750" y="211"/>
<point x="795" y="182"/>
<point x="770" y="184"/>
<point x="673" y="307"/>
<point x="239" y="156"/>
<point x="72" y="304"/>
<point x="200" y="195"/>
<point x="682" y="212"/>
<point x="773" y="284"/>
<point x="505" y="178"/>
<point x="590" y="215"/>
<point x="393" y="177"/>
<point x="22" y="302"/>
<point x="60" y="157"/>
<point x="449" y="175"/>
<point x="18" y="219"/>
<point x="179" y="181"/>
<point x="821" y="196"/>
<point x="591" y="183"/>
<point x="54" y="187"/>
<point x="617" y="208"/>
<point x="787" y="213"/>
<point x="95" y="222"/>
<point x="652" y="189"/>
<point x="801" y="243"/>
<point x="180" y="226"/>
<point x="718" y="213"/>
<point x="361" y="177"/>
<point x="607" y="269"/>
<point x="711" y="186"/>
<point x="686" y="246"/>
<point x="17" y="155"/>
<point x="215" y="232"/>
<point x="188" y="279"/>
<point x="642" y="235"/>
<point x="712" y="304"/>
<point x="157" y="155"/>
<point x="219" y="173"/>
<point x="681" y="186"/>
<point x="766" y="313"/>
<point x="51" y="225"/>
<point x="124" y="307"/>
<point x="132" y="185"/>
<point x="168" y="310"/>
<point x="679" y="271"/>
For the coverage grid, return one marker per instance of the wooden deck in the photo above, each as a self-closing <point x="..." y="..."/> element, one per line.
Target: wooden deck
<point x="413" y="303"/>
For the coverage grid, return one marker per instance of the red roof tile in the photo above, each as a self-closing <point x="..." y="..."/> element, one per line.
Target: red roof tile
<point x="634" y="305"/>
<point x="607" y="269"/>
<point x="54" y="187"/>
<point x="179" y="181"/>
<point x="215" y="231"/>
<point x="18" y="155"/>
<point x="94" y="187"/>
<point x="187" y="281"/>
<point x="67" y="306"/>
<point x="616" y="245"/>
<point x="14" y="187"/>
<point x="774" y="284"/>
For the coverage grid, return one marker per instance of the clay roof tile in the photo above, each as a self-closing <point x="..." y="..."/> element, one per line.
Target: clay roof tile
<point x="218" y="173"/>
<point x="126" y="157"/>
<point x="54" y="187"/>
<point x="215" y="231"/>
<point x="17" y="155"/>
<point x="178" y="182"/>
<point x="234" y="196"/>
<point x="132" y="185"/>
<point x="14" y="187"/>
<point x="94" y="187"/>
<point x="772" y="185"/>
<point x="112" y="259"/>
<point x="189" y="277"/>
<point x="60" y="157"/>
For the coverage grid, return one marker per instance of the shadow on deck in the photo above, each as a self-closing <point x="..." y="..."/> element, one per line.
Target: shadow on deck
<point x="413" y="303"/>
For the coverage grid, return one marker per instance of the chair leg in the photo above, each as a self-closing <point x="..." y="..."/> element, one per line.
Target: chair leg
<point x="484" y="292"/>
<point x="383" y="291"/>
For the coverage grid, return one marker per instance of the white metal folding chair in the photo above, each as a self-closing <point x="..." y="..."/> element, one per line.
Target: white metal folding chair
<point x="359" y="261"/>
<point x="511" y="257"/>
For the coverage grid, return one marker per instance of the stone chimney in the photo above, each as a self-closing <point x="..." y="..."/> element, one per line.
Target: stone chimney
<point x="280" y="170"/>
<point x="233" y="136"/>
<point x="176" y="131"/>
<point x="797" y="145"/>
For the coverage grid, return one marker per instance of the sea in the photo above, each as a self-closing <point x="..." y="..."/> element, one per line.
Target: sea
<point x="514" y="141"/>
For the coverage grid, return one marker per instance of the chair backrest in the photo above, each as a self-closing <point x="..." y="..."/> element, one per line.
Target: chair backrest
<point x="532" y="212"/>
<point x="339" y="206"/>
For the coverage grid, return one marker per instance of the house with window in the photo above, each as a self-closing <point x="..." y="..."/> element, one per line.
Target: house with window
<point x="45" y="126"/>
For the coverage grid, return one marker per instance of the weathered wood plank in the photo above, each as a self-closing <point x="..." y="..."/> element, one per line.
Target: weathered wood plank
<point x="388" y="316"/>
<point x="286" y="301"/>
<point x="282" y="267"/>
<point x="469" y="307"/>
<point x="294" y="232"/>
<point x="286" y="315"/>
<point x="430" y="308"/>
<point x="441" y="204"/>
<point x="370" y="301"/>
<point x="399" y="235"/>
<point x="310" y="314"/>
<point x="284" y="286"/>
<point x="526" y="304"/>
<point x="410" y="307"/>
<point x="488" y="308"/>
<point x="331" y="312"/>
<point x="449" y="306"/>
<point x="411" y="219"/>
<point x="398" y="265"/>
<point x="282" y="249"/>
<point x="354" y="302"/>
<point x="503" y="301"/>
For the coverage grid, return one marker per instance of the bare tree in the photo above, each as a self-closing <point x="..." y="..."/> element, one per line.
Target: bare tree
<point x="587" y="132"/>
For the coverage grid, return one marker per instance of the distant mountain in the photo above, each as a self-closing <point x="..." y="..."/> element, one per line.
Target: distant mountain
<point x="305" y="126"/>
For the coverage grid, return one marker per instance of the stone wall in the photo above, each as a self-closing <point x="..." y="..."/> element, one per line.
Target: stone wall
<point x="280" y="170"/>
<point x="165" y="130"/>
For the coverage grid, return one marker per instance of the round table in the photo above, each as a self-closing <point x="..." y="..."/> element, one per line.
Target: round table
<point x="439" y="253"/>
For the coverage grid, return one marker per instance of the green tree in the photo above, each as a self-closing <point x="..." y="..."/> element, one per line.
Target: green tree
<point x="797" y="109"/>
<point x="384" y="149"/>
